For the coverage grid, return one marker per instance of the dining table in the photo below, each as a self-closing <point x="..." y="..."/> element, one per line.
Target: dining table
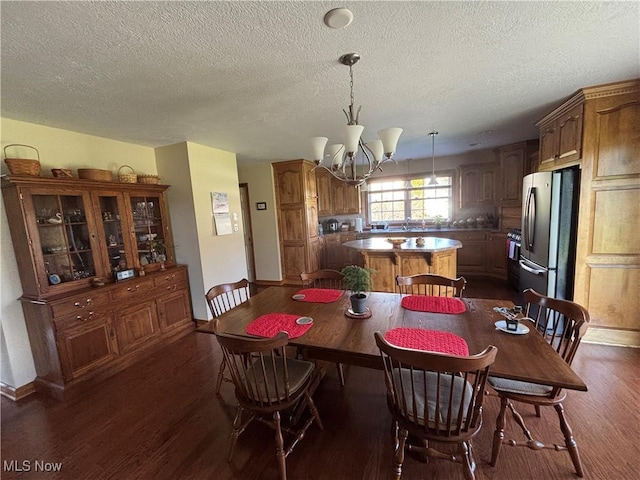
<point x="336" y="336"/>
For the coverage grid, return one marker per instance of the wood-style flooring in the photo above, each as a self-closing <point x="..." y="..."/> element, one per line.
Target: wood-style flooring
<point x="161" y="419"/>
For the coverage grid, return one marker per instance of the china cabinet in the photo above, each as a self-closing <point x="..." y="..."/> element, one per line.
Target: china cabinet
<point x="98" y="273"/>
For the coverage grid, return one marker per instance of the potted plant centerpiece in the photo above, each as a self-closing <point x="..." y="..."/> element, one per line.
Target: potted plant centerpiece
<point x="358" y="281"/>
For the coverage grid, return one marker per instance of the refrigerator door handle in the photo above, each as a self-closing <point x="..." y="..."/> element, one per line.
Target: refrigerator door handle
<point x="535" y="271"/>
<point x="530" y="219"/>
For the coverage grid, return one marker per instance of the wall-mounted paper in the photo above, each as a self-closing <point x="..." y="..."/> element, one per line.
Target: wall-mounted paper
<point x="222" y="224"/>
<point x="219" y="202"/>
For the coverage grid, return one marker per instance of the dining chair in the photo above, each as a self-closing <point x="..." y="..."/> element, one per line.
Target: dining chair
<point x="562" y="323"/>
<point x="222" y="298"/>
<point x="268" y="384"/>
<point x="434" y="397"/>
<point x="325" y="278"/>
<point x="431" y="284"/>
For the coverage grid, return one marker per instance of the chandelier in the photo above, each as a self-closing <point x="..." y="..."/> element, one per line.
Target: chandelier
<point x="354" y="161"/>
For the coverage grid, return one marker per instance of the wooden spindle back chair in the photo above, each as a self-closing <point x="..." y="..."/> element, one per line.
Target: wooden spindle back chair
<point x="325" y="278"/>
<point x="431" y="284"/>
<point x="267" y="383"/>
<point x="222" y="298"/>
<point x="434" y="397"/>
<point x="562" y="323"/>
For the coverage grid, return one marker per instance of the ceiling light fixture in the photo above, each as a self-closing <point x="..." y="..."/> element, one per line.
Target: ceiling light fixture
<point x="433" y="180"/>
<point x="358" y="165"/>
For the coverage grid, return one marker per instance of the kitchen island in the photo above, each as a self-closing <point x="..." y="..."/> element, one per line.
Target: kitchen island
<point x="436" y="255"/>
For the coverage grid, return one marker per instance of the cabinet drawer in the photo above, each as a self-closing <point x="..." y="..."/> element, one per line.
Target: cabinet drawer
<point x="170" y="278"/>
<point x="133" y="288"/>
<point x="80" y="302"/>
<point x="470" y="235"/>
<point x="171" y="287"/>
<point x="84" y="316"/>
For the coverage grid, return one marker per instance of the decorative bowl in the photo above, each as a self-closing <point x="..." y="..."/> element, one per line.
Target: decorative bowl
<point x="396" y="242"/>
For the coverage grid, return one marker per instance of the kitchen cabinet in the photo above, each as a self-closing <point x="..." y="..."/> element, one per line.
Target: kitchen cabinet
<point x="561" y="136"/>
<point x="515" y="161"/>
<point x="477" y="184"/>
<point x="70" y="238"/>
<point x="297" y="206"/>
<point x="607" y="248"/>
<point x="497" y="255"/>
<point x="336" y="197"/>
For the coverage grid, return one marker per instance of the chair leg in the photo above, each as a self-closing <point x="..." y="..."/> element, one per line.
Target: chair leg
<point x="314" y="410"/>
<point x="223" y="366"/>
<point x="468" y="462"/>
<point x="340" y="373"/>
<point x="399" y="453"/>
<point x="280" y="447"/>
<point x="537" y="411"/>
<point x="235" y="433"/>
<point x="569" y="442"/>
<point x="498" y="435"/>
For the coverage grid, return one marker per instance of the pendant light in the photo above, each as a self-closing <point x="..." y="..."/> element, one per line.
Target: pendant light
<point x="433" y="180"/>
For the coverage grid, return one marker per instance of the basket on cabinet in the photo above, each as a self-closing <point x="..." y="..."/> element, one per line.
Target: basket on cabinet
<point x="127" y="177"/>
<point x="95" y="174"/>
<point x="22" y="166"/>
<point x="149" y="179"/>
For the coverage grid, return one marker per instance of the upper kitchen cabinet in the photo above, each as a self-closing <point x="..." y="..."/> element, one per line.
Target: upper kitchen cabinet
<point x="561" y="135"/>
<point x="336" y="197"/>
<point x="515" y="161"/>
<point x="67" y="232"/>
<point x="477" y="184"/>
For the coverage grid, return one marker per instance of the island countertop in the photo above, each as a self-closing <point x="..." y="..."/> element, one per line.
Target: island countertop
<point x="377" y="244"/>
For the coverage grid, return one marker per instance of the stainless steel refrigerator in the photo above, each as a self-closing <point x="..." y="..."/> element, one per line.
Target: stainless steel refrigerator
<point x="549" y="224"/>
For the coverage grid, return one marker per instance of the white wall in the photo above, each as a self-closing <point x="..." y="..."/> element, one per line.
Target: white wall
<point x="195" y="172"/>
<point x="264" y="223"/>
<point x="58" y="148"/>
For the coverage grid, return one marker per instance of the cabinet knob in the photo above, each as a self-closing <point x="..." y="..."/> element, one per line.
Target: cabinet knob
<point x="172" y="287"/>
<point x="129" y="289"/>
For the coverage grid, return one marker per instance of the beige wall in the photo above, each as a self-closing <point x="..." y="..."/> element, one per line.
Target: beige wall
<point x="195" y="171"/>
<point x="58" y="148"/>
<point x="264" y="223"/>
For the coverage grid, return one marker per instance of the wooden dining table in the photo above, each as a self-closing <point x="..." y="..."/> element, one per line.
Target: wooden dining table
<point x="338" y="338"/>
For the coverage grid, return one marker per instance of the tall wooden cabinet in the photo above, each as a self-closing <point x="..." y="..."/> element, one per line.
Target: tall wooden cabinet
<point x="600" y="126"/>
<point x="297" y="204"/>
<point x="71" y="237"/>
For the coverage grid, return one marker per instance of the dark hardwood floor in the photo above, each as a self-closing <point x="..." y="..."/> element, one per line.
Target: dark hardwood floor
<point x="160" y="419"/>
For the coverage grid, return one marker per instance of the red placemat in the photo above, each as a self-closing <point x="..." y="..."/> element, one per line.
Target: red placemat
<point x="270" y="324"/>
<point x="431" y="340"/>
<point x="425" y="303"/>
<point x="319" y="295"/>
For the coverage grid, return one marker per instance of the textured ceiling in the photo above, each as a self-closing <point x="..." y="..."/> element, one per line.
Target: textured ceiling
<point x="261" y="78"/>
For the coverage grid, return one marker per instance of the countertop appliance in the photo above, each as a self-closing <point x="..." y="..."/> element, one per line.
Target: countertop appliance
<point x="332" y="226"/>
<point x="549" y="225"/>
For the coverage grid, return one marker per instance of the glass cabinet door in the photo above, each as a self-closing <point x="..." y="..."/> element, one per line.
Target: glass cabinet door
<point x="149" y="230"/>
<point x="114" y="235"/>
<point x="65" y="237"/>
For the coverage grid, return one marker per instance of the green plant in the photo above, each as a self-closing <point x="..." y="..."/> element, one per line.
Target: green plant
<point x="357" y="279"/>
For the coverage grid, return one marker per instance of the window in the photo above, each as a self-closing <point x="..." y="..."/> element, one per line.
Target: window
<point x="395" y="200"/>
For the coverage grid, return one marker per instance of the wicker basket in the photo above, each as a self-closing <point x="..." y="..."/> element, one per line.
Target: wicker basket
<point x="22" y="166"/>
<point x="61" y="173"/>
<point x="148" y="179"/>
<point x="95" y="174"/>
<point x="127" y="177"/>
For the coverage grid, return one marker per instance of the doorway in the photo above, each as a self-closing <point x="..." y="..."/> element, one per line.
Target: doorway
<point x="245" y="207"/>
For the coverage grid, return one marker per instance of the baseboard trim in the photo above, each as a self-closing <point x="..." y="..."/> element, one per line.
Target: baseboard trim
<point x="19" y="393"/>
<point x="613" y="337"/>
